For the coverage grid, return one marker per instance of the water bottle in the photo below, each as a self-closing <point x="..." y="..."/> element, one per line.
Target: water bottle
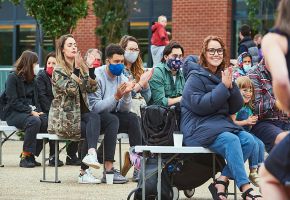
<point x="170" y="168"/>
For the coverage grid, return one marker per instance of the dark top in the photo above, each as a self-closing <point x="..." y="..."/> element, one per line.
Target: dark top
<point x="287" y="55"/>
<point x="206" y="106"/>
<point x="248" y="45"/>
<point x="44" y="87"/>
<point x="20" y="95"/>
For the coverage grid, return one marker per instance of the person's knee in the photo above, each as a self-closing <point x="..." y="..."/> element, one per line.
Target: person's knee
<point x="34" y="121"/>
<point x="281" y="136"/>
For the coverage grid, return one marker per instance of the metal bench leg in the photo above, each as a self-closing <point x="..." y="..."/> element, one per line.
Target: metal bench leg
<point x="143" y="175"/>
<point x="120" y="154"/>
<point x="1" y="165"/>
<point x="159" y="176"/>
<point x="43" y="162"/>
<point x="56" y="162"/>
<point x="213" y="166"/>
<point x="235" y="191"/>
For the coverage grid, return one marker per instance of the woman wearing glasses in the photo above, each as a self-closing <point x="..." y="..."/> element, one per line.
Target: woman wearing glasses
<point x="209" y="98"/>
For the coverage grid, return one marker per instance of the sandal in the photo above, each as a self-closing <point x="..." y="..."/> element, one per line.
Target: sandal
<point x="247" y="194"/>
<point x="213" y="190"/>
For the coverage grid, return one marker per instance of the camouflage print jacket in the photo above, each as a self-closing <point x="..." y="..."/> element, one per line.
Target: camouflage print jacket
<point x="65" y="112"/>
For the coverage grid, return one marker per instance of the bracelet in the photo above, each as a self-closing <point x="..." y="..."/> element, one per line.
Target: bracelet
<point x="140" y="86"/>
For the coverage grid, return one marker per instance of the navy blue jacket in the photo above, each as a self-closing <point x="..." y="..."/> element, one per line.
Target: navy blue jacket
<point x="206" y="106"/>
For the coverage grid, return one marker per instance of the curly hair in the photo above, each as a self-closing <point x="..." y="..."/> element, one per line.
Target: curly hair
<point x="202" y="57"/>
<point x="137" y="67"/>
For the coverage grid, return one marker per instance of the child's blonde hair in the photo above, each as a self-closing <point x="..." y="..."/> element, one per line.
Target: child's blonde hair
<point x="245" y="82"/>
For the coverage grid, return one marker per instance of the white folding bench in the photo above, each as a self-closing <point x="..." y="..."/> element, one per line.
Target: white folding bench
<point x="172" y="150"/>
<point x="3" y="129"/>
<point x="45" y="137"/>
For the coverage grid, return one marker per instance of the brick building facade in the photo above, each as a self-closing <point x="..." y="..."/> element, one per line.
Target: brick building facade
<point x="192" y="21"/>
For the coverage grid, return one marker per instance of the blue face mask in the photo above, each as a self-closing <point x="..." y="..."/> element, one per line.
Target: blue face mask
<point x="174" y="64"/>
<point x="116" y="69"/>
<point x="247" y="68"/>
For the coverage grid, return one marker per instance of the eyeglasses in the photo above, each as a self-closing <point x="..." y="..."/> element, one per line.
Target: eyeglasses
<point x="212" y="51"/>
<point x="133" y="49"/>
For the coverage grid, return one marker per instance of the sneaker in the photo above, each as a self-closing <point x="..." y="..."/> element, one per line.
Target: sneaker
<point x="26" y="162"/>
<point x="255" y="179"/>
<point x="52" y="162"/>
<point x="73" y="160"/>
<point x="88" y="178"/>
<point x="136" y="175"/>
<point x="118" y="178"/>
<point x="91" y="161"/>
<point x="37" y="164"/>
<point x="127" y="164"/>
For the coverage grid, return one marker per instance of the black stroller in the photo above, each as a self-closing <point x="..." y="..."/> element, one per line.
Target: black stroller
<point x="180" y="172"/>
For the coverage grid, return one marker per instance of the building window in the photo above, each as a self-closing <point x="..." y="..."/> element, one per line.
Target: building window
<point x="6" y="44"/>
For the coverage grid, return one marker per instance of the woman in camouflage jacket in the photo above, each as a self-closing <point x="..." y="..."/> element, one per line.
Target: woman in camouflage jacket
<point x="69" y="115"/>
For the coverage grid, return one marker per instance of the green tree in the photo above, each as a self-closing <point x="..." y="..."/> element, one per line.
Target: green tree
<point x="112" y="14"/>
<point x="57" y="17"/>
<point x="253" y="10"/>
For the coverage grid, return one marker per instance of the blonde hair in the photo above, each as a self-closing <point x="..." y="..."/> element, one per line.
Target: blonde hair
<point x="202" y="58"/>
<point x="137" y="67"/>
<point x="245" y="82"/>
<point x="162" y="18"/>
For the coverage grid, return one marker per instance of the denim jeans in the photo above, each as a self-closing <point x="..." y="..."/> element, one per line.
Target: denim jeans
<point x="257" y="157"/>
<point x="236" y="149"/>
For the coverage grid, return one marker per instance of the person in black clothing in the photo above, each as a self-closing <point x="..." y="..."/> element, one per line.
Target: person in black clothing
<point x="44" y="87"/>
<point x="24" y="111"/>
<point x="275" y="174"/>
<point x="247" y="44"/>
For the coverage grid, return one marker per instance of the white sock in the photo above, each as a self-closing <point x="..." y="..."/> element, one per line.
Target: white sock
<point x="92" y="151"/>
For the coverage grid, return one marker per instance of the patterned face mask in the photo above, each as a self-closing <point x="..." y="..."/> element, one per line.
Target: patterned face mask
<point x="174" y="63"/>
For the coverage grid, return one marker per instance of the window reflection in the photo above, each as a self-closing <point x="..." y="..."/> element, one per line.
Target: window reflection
<point x="6" y="43"/>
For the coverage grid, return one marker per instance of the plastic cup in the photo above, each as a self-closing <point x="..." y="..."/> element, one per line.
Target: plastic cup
<point x="177" y="138"/>
<point x="109" y="178"/>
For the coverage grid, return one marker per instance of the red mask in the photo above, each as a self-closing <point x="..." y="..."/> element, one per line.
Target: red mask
<point x="96" y="63"/>
<point x="49" y="71"/>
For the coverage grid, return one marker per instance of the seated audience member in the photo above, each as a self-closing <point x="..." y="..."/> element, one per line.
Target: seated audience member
<point x="244" y="65"/>
<point x="272" y="125"/>
<point x="93" y="58"/>
<point x="113" y="97"/>
<point x="209" y="99"/>
<point x="45" y="95"/>
<point x="109" y="125"/>
<point x="275" y="174"/>
<point x="69" y="115"/>
<point x="245" y="118"/>
<point x="24" y="110"/>
<point x="167" y="81"/>
<point x="141" y="92"/>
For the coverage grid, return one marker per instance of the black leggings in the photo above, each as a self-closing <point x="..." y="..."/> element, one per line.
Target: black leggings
<point x="90" y="130"/>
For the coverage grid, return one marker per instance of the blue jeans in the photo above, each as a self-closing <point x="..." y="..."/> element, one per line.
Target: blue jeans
<point x="257" y="157"/>
<point x="236" y="149"/>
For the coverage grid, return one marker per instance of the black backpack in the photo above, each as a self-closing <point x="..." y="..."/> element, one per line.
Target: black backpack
<point x="158" y="124"/>
<point x="3" y="105"/>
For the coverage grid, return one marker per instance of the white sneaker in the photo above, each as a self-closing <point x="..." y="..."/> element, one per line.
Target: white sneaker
<point x="88" y="178"/>
<point x="92" y="161"/>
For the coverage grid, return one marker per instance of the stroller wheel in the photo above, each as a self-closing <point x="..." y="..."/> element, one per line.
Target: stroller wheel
<point x="189" y="193"/>
<point x="175" y="193"/>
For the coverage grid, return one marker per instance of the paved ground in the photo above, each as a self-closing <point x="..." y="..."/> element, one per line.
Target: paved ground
<point x="20" y="183"/>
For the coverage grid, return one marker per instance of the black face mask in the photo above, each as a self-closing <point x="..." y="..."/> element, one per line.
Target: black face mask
<point x="259" y="46"/>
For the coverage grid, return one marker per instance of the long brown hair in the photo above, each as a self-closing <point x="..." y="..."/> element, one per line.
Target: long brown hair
<point x="245" y="82"/>
<point x="60" y="59"/>
<point x="202" y="57"/>
<point x="24" y="65"/>
<point x="137" y="67"/>
<point x="283" y="17"/>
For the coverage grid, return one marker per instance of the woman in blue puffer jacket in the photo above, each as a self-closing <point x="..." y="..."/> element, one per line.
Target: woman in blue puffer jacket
<point x="209" y="98"/>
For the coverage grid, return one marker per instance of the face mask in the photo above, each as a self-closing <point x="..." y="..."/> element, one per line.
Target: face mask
<point x="96" y="63"/>
<point x="116" y="69"/>
<point x="49" y="71"/>
<point x="259" y="46"/>
<point x="36" y="69"/>
<point x="131" y="57"/>
<point x="174" y="64"/>
<point x="247" y="67"/>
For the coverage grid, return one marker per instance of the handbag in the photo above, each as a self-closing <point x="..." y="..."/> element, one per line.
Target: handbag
<point x="137" y="102"/>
